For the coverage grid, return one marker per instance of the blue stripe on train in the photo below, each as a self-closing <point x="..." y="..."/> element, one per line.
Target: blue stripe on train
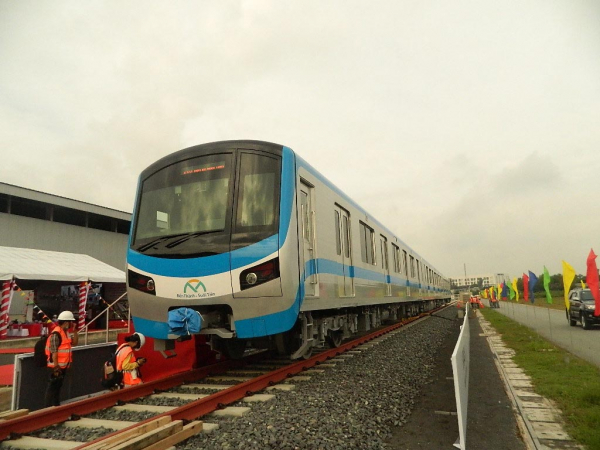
<point x="284" y="320"/>
<point x="204" y="266"/>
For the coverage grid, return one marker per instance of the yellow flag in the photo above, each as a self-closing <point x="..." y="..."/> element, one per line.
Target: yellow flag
<point x="582" y="285"/>
<point x="514" y="285"/>
<point x="568" y="277"/>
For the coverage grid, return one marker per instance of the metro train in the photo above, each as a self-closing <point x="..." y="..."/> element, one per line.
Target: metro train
<point x="255" y="247"/>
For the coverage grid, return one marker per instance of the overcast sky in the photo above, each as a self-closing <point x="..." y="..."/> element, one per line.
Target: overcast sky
<point x="470" y="128"/>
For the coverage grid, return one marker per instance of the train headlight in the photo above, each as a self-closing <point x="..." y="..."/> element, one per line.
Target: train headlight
<point x="260" y="274"/>
<point x="141" y="282"/>
<point x="251" y="278"/>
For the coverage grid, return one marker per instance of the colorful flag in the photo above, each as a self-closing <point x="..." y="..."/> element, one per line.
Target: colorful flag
<point x="492" y="293"/>
<point x="547" y="286"/>
<point x="582" y="284"/>
<point x="484" y="293"/>
<point x="592" y="280"/>
<point x="504" y="291"/>
<point x="514" y="286"/>
<point x="532" y="282"/>
<point x="568" y="277"/>
<point x="526" y="287"/>
<point x="83" y="294"/>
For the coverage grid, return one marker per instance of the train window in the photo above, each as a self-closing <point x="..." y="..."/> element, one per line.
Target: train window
<point x="405" y="263"/>
<point x="338" y="241"/>
<point x="184" y="198"/>
<point x="367" y="249"/>
<point x="396" y="252"/>
<point x="257" y="205"/>
<point x="412" y="266"/>
<point x="384" y="253"/>
<point x="306" y="222"/>
<point x="346" y="234"/>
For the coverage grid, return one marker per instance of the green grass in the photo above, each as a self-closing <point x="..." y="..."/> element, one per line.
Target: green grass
<point x="572" y="383"/>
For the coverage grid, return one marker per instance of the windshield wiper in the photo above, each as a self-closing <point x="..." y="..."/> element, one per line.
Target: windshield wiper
<point x="189" y="236"/>
<point x="145" y="247"/>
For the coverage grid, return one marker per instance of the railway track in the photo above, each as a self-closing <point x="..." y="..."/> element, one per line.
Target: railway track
<point x="200" y="392"/>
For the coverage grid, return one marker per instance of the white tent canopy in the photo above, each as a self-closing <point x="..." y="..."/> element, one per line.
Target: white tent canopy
<point x="30" y="264"/>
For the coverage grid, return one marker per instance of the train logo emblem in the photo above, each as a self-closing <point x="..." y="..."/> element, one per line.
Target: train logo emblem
<point x="191" y="286"/>
<point x="191" y="290"/>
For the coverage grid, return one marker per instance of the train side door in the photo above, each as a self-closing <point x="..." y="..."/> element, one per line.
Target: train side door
<point x="308" y="247"/>
<point x="385" y="266"/>
<point x="419" y="275"/>
<point x="344" y="250"/>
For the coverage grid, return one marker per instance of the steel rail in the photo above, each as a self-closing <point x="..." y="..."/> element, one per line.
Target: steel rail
<point x="56" y="414"/>
<point x="221" y="399"/>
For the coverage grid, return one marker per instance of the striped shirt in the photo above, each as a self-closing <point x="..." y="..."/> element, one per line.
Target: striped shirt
<point x="55" y="342"/>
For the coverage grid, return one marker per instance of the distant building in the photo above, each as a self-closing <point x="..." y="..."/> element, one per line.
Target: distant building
<point x="479" y="280"/>
<point x="36" y="220"/>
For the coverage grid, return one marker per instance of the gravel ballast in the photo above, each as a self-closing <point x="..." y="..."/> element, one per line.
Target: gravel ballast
<point x="351" y="405"/>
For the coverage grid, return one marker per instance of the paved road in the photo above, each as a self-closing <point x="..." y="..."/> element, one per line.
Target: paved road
<point x="554" y="327"/>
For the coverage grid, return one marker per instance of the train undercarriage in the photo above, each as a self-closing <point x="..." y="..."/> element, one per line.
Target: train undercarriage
<point x="318" y="329"/>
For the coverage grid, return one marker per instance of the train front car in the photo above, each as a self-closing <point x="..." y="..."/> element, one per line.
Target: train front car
<point x="212" y="228"/>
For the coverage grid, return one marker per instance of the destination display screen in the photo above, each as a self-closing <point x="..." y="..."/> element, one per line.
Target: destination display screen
<point x="203" y="168"/>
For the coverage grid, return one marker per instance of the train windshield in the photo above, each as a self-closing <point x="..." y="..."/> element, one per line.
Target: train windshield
<point x="184" y="200"/>
<point x="208" y="205"/>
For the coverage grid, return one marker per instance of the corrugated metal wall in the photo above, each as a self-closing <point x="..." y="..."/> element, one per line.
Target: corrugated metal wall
<point x="24" y="232"/>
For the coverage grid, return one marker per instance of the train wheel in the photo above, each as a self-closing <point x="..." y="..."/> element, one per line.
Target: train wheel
<point x="334" y="338"/>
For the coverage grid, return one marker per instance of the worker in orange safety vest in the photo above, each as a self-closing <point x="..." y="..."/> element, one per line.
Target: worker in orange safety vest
<point x="59" y="355"/>
<point x="127" y="361"/>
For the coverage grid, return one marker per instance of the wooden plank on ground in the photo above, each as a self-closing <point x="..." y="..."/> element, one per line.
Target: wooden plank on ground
<point x="189" y="430"/>
<point x="14" y="414"/>
<point x="30" y="442"/>
<point x="151" y="437"/>
<point x="117" y="439"/>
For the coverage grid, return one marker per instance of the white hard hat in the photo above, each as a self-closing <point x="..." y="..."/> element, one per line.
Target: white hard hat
<point x="142" y="339"/>
<point x="66" y="315"/>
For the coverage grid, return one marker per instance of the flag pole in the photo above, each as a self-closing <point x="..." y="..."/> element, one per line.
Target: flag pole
<point x="7" y="292"/>
<point x="549" y="321"/>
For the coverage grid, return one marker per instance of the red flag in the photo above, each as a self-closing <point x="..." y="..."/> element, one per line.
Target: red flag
<point x="591" y="280"/>
<point x="526" y="287"/>
<point x="83" y="293"/>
